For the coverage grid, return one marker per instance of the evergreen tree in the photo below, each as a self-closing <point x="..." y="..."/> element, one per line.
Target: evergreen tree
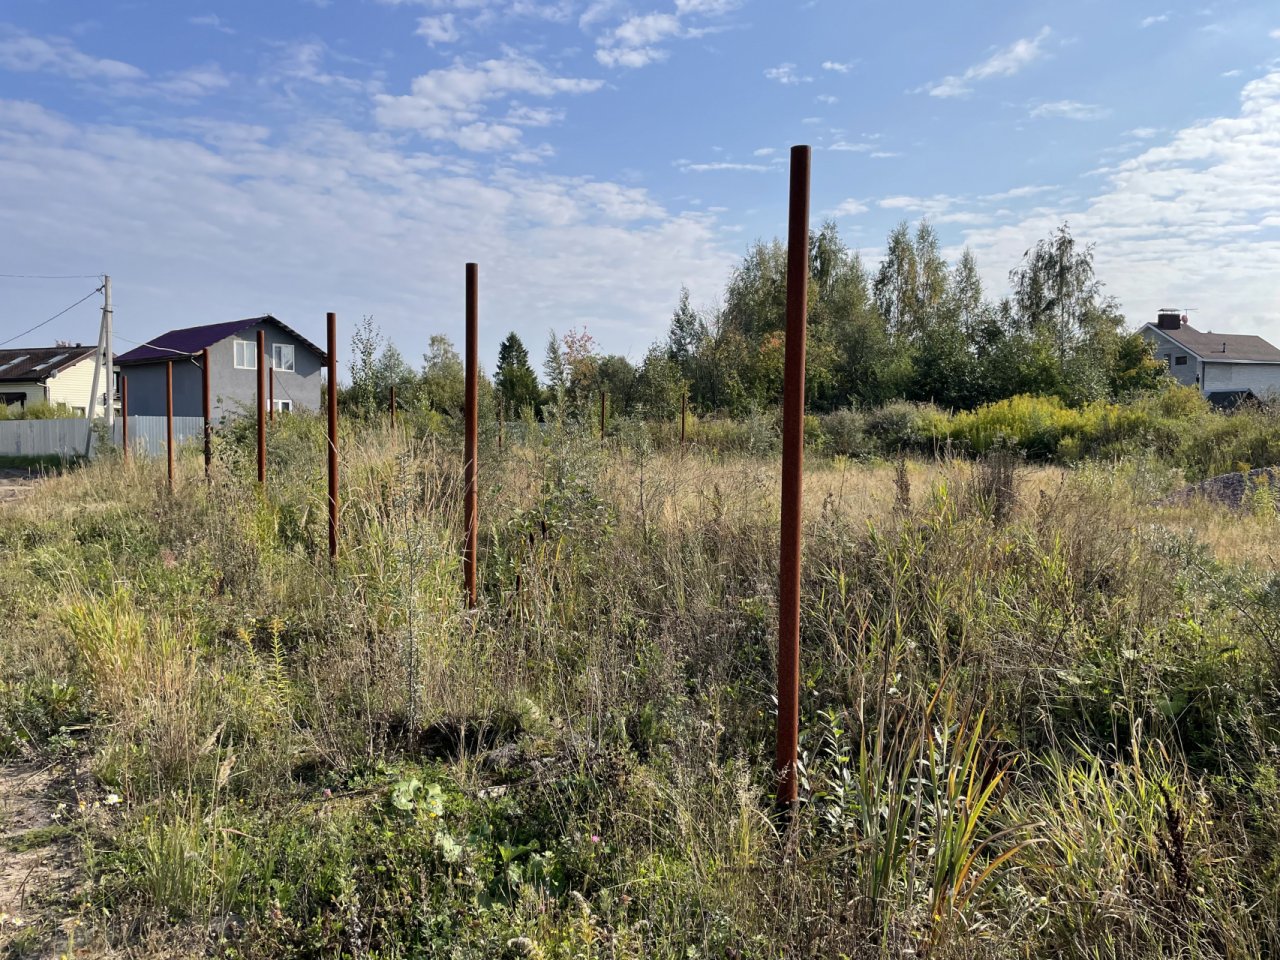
<point x="515" y="381"/>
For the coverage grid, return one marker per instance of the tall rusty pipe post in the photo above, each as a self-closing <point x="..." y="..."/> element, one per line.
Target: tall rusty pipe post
<point x="262" y="408"/>
<point x="603" y="397"/>
<point x="124" y="416"/>
<point x="471" y="496"/>
<point x="788" y="736"/>
<point x="393" y="406"/>
<point x="332" y="404"/>
<point x="271" y="391"/>
<point x="207" y="410"/>
<point x="168" y="418"/>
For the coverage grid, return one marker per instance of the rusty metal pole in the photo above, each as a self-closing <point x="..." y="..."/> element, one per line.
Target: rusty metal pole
<point x="271" y="392"/>
<point x="684" y="413"/>
<point x="206" y="408"/>
<point x="393" y="406"/>
<point x="332" y="403"/>
<point x="471" y="495"/>
<point x="124" y="416"/>
<point x="603" y="395"/>
<point x="788" y="736"/>
<point x="262" y="411"/>
<point x="168" y="418"/>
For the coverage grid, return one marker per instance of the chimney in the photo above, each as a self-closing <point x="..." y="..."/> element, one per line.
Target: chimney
<point x="1170" y="320"/>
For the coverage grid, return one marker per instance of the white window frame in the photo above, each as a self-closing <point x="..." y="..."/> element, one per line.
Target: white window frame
<point x="284" y="406"/>
<point x="244" y="354"/>
<point x="278" y="352"/>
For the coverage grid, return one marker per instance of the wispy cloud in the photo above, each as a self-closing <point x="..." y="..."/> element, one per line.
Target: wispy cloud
<point x="838" y="67"/>
<point x="785" y="73"/>
<point x="1005" y="62"/>
<point x="718" y="166"/>
<point x="212" y="21"/>
<point x="439" y="29"/>
<point x="639" y="39"/>
<point x="1070" y="110"/>
<point x="1152" y="20"/>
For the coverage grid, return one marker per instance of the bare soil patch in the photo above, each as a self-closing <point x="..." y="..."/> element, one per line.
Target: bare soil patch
<point x="37" y="865"/>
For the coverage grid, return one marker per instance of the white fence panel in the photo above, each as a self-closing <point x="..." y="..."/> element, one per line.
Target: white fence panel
<point x="146" y="434"/>
<point x="66" y="438"/>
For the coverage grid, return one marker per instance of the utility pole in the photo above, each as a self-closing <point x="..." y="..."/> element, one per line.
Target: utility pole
<point x="108" y="356"/>
<point x="104" y="341"/>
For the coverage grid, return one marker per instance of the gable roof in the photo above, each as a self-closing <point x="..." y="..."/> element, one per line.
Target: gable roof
<point x="38" y="364"/>
<point x="189" y="341"/>
<point x="1240" y="348"/>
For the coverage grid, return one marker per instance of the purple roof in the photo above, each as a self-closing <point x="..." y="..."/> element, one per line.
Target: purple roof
<point x="191" y="340"/>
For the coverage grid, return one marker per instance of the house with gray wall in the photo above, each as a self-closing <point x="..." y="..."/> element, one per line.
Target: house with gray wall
<point x="294" y="364"/>
<point x="1226" y="367"/>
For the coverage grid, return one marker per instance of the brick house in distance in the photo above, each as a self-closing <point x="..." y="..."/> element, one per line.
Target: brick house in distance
<point x="1228" y="368"/>
<point x="294" y="363"/>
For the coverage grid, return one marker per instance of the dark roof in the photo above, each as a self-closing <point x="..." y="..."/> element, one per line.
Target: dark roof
<point x="191" y="340"/>
<point x="1240" y="348"/>
<point x="38" y="364"/>
<point x="1229" y="399"/>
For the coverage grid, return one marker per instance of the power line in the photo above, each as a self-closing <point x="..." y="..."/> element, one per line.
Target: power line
<point x="137" y="343"/>
<point x="40" y="276"/>
<point x="51" y="319"/>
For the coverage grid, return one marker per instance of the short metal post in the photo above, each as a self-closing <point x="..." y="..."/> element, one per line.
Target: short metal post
<point x="262" y="408"/>
<point x="393" y="406"/>
<point x="124" y="415"/>
<point x="168" y="418"/>
<point x="206" y="406"/>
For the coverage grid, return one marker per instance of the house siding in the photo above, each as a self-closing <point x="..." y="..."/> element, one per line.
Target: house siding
<point x="72" y="385"/>
<point x="1262" y="378"/>
<point x="1168" y="352"/>
<point x="34" y="393"/>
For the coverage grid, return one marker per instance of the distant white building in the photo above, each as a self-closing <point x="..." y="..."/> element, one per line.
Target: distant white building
<point x="61" y="374"/>
<point x="1227" y="367"/>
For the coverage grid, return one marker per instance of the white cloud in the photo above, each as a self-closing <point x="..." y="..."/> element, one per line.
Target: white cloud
<point x="1005" y="62"/>
<point x="1070" y="110"/>
<point x="439" y="29"/>
<point x="685" y="166"/>
<point x="1151" y="21"/>
<point x="450" y="103"/>
<point x="211" y="20"/>
<point x="234" y="221"/>
<point x="25" y="53"/>
<point x="1193" y="219"/>
<point x="1143" y="133"/>
<point x="785" y="73"/>
<point x="638" y="40"/>
<point x="850" y="208"/>
<point x="827" y="98"/>
<point x="839" y="67"/>
<point x="765" y="152"/>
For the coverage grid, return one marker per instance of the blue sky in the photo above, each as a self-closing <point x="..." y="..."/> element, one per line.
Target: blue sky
<point x="225" y="159"/>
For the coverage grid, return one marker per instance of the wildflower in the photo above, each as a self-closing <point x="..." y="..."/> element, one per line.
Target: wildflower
<point x="112" y="799"/>
<point x="595" y="838"/>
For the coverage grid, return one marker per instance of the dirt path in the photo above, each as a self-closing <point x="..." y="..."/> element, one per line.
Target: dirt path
<point x="16" y="483"/>
<point x="37" y="858"/>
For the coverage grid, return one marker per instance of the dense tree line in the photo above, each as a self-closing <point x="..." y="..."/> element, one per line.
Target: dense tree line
<point x="919" y="328"/>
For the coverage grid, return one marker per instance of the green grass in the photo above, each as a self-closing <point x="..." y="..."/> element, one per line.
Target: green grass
<point x="1037" y="712"/>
